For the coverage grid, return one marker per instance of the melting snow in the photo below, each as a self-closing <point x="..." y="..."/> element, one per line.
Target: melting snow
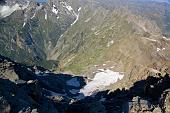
<point x="24" y="24"/>
<point x="74" y="91"/>
<point x="67" y="6"/>
<point x="79" y="9"/>
<point x="100" y="81"/>
<point x="87" y="20"/>
<point x="54" y="93"/>
<point x="97" y="33"/>
<point x="158" y="49"/>
<point x="45" y="15"/>
<point x="54" y="10"/>
<point x="103" y="99"/>
<point x="77" y="16"/>
<point x="8" y="10"/>
<point x="150" y="39"/>
<point x="112" y="67"/>
<point x="73" y="82"/>
<point x="165" y="38"/>
<point x="110" y="43"/>
<point x="33" y="15"/>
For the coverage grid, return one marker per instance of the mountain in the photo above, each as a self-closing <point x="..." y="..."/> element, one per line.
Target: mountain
<point x="89" y="56"/>
<point x="33" y="89"/>
<point x="32" y="29"/>
<point x="116" y="35"/>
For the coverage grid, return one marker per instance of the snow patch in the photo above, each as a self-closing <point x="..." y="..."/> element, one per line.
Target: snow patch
<point x="87" y="20"/>
<point x="54" y="93"/>
<point x="33" y="15"/>
<point x="97" y="33"/>
<point x="77" y="16"/>
<point x="74" y="91"/>
<point x="165" y="38"/>
<point x="110" y="43"/>
<point x="73" y="82"/>
<point x="45" y="15"/>
<point x="68" y="7"/>
<point x="100" y="81"/>
<point x="159" y="49"/>
<point x="112" y="67"/>
<point x="79" y="9"/>
<point x="93" y="29"/>
<point x="102" y="99"/>
<point x="54" y="10"/>
<point x="153" y="40"/>
<point x="24" y="24"/>
<point x="6" y="10"/>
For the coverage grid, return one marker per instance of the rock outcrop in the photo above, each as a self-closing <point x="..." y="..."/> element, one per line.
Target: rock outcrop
<point x="37" y="90"/>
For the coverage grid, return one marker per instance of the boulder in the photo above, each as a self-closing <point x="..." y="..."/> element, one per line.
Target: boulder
<point x="4" y="106"/>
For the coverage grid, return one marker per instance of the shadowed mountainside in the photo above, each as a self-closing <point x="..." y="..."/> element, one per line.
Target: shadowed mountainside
<point x="26" y="89"/>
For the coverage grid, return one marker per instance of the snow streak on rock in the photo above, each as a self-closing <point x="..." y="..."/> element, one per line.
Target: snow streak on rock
<point x="54" y="10"/>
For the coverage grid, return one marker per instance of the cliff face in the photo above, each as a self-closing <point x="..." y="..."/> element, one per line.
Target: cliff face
<point x="26" y="89"/>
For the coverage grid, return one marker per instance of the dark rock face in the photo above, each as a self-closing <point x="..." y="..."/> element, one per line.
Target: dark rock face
<point x="37" y="90"/>
<point x="146" y="96"/>
<point x="29" y="92"/>
<point x="2" y="2"/>
<point x="4" y="106"/>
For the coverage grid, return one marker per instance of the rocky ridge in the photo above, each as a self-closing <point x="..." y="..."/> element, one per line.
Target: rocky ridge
<point x="36" y="90"/>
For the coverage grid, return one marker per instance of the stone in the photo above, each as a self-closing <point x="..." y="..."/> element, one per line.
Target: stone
<point x="157" y="110"/>
<point x="4" y="106"/>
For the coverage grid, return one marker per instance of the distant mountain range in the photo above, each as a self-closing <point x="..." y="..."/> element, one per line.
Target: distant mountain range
<point x="82" y="36"/>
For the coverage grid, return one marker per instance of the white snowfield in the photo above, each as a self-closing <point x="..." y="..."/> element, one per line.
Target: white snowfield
<point x="6" y="10"/>
<point x="67" y="6"/>
<point x="102" y="79"/>
<point x="54" y="10"/>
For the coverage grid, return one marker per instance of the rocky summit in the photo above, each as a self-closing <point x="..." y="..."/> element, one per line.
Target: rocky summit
<point x="84" y="56"/>
<point x="26" y="89"/>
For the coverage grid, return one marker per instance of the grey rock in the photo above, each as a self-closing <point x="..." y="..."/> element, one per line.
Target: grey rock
<point x="4" y="106"/>
<point x="34" y="111"/>
<point x="157" y="110"/>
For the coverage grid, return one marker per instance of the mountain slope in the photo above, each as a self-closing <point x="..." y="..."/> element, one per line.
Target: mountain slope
<point x="32" y="89"/>
<point x="111" y="37"/>
<point x="83" y="36"/>
<point x="33" y="29"/>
